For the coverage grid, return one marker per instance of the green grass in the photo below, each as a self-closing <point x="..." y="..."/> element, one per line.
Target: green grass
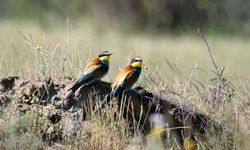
<point x="175" y="65"/>
<point x="70" y="47"/>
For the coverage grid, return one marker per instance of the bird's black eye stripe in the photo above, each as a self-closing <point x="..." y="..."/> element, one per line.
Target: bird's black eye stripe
<point x="134" y="60"/>
<point x="101" y="55"/>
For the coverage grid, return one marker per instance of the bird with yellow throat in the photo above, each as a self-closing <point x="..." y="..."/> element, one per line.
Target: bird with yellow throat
<point x="94" y="70"/>
<point x="124" y="81"/>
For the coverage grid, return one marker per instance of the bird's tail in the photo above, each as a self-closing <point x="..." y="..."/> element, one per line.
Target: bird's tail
<point x="73" y="89"/>
<point x="69" y="94"/>
<point x="105" y="101"/>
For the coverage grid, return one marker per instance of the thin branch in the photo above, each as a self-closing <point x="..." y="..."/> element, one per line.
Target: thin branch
<point x="208" y="48"/>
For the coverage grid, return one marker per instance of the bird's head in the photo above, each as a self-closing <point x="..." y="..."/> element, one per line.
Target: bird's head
<point x="136" y="62"/>
<point x="104" y="56"/>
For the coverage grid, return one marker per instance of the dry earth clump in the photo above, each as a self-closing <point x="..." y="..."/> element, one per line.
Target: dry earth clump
<point x="54" y="119"/>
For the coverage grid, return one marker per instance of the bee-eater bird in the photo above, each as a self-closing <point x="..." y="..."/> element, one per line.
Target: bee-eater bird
<point x="125" y="80"/>
<point x="95" y="70"/>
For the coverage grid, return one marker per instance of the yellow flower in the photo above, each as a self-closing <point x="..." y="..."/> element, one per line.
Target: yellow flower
<point x="38" y="47"/>
<point x="189" y="144"/>
<point x="24" y="97"/>
<point x="53" y="106"/>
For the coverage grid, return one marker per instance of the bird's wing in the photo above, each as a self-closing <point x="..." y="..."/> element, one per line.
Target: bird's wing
<point x="122" y="76"/>
<point x="92" y="71"/>
<point x="88" y="74"/>
<point x="92" y="66"/>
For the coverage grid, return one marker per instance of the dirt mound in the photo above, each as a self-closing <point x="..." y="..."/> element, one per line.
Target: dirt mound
<point x="45" y="96"/>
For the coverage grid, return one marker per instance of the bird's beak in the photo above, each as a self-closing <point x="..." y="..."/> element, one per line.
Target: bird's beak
<point x="111" y="54"/>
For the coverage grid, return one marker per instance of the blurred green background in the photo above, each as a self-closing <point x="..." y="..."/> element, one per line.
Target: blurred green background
<point x="158" y="30"/>
<point x="164" y="15"/>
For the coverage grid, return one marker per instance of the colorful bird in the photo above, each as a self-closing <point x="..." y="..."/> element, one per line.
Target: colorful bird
<point x="125" y="80"/>
<point x="95" y="70"/>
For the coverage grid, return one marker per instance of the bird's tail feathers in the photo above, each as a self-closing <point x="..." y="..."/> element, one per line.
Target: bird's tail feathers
<point x="75" y="87"/>
<point x="69" y="94"/>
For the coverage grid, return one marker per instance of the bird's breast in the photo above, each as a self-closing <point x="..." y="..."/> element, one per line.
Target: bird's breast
<point x="133" y="78"/>
<point x="105" y="63"/>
